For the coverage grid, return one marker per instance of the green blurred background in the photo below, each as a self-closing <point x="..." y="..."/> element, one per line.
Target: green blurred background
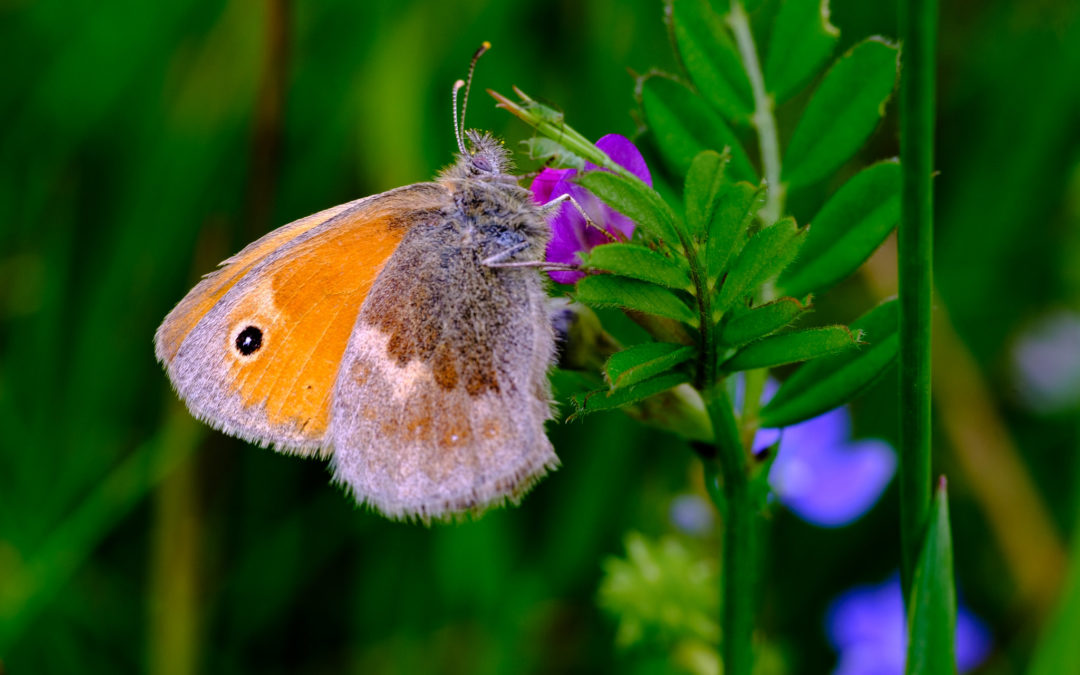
<point x="143" y="142"/>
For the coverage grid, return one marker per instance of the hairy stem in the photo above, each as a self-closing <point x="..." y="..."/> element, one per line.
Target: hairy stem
<point x="918" y="32"/>
<point x="740" y="565"/>
<point x="769" y="146"/>
<point x="763" y="118"/>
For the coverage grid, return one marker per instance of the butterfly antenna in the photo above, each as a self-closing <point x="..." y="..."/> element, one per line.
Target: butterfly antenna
<point x="459" y="127"/>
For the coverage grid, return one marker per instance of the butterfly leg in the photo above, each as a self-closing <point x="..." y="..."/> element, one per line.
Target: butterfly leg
<point x="494" y="260"/>
<point x="497" y="260"/>
<point x="553" y="206"/>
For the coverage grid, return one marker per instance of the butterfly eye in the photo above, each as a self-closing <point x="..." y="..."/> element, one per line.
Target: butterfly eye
<point x="249" y="340"/>
<point x="481" y="162"/>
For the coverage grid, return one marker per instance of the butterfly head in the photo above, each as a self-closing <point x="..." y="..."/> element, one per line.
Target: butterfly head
<point x="485" y="157"/>
<point x="480" y="155"/>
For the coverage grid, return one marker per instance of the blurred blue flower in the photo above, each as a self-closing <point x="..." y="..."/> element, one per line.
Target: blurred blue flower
<point x="1046" y="363"/>
<point x="826" y="478"/>
<point x="866" y="626"/>
<point x="692" y="514"/>
<point x="820" y="473"/>
<point x="569" y="233"/>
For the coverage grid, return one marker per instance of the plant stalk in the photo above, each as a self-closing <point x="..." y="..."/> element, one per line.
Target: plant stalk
<point x="740" y="564"/>
<point x="763" y="118"/>
<point x="769" y="146"/>
<point x="918" y="34"/>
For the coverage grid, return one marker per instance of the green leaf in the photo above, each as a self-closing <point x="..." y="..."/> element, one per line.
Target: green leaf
<point x="827" y="383"/>
<point x="1058" y="650"/>
<point x="542" y="148"/>
<point x="842" y="113"/>
<point x="764" y="256"/>
<point x="606" y="399"/>
<point x="736" y="206"/>
<point x="641" y="362"/>
<point x="711" y="58"/>
<point x="932" y="606"/>
<point x="704" y="182"/>
<point x="760" y="321"/>
<point x="639" y="262"/>
<point x="684" y="125"/>
<point x="802" y="40"/>
<point x="605" y="290"/>
<point x="802" y="345"/>
<point x="847" y="230"/>
<point x="634" y="199"/>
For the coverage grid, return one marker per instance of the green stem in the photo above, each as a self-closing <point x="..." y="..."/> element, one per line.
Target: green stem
<point x="763" y="118"/>
<point x="740" y="564"/>
<point x="769" y="145"/>
<point x="918" y="32"/>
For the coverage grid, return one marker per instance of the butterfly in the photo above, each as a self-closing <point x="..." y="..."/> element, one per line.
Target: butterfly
<point x="404" y="336"/>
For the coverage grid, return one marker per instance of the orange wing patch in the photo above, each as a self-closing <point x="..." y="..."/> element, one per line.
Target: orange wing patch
<point x="306" y="312"/>
<point x="292" y="299"/>
<point x="213" y="287"/>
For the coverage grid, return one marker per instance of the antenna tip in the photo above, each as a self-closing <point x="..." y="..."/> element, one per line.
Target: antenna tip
<point x="458" y="85"/>
<point x="485" y="44"/>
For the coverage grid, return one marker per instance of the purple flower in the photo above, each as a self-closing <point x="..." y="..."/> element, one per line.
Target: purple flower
<point x="820" y="473"/>
<point x="866" y="626"/>
<point x="569" y="233"/>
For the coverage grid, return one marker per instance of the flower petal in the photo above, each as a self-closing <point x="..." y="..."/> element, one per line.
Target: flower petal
<point x="544" y="185"/>
<point x="571" y="234"/>
<point x="830" y="486"/>
<point x="868" y="613"/>
<point x="827" y="430"/>
<point x="973" y="640"/>
<point x="625" y="154"/>
<point x="866" y="625"/>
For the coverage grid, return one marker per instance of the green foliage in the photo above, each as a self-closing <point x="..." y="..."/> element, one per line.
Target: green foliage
<point x="552" y="152"/>
<point x="608" y="399"/>
<point x="608" y="291"/>
<point x="641" y="362"/>
<point x="847" y="230"/>
<point x="932" y="606"/>
<point x="711" y="59"/>
<point x="1058" y="650"/>
<point x="844" y="110"/>
<point x="803" y="345"/>
<point x="141" y="147"/>
<point x="736" y="205"/>
<point x="661" y="591"/>
<point x="684" y="125"/>
<point x="738" y="329"/>
<point x="633" y="199"/>
<point x="639" y="262"/>
<point x="704" y="182"/>
<point x="825" y="384"/>
<point x="764" y="256"/>
<point x="802" y="40"/>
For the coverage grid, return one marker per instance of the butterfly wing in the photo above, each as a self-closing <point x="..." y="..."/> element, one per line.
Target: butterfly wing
<point x="443" y="392"/>
<point x="254" y="348"/>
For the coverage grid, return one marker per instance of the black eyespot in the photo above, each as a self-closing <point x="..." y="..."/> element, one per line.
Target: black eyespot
<point x="249" y="340"/>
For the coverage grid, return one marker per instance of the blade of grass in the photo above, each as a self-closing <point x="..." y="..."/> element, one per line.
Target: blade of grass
<point x="918" y="32"/>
